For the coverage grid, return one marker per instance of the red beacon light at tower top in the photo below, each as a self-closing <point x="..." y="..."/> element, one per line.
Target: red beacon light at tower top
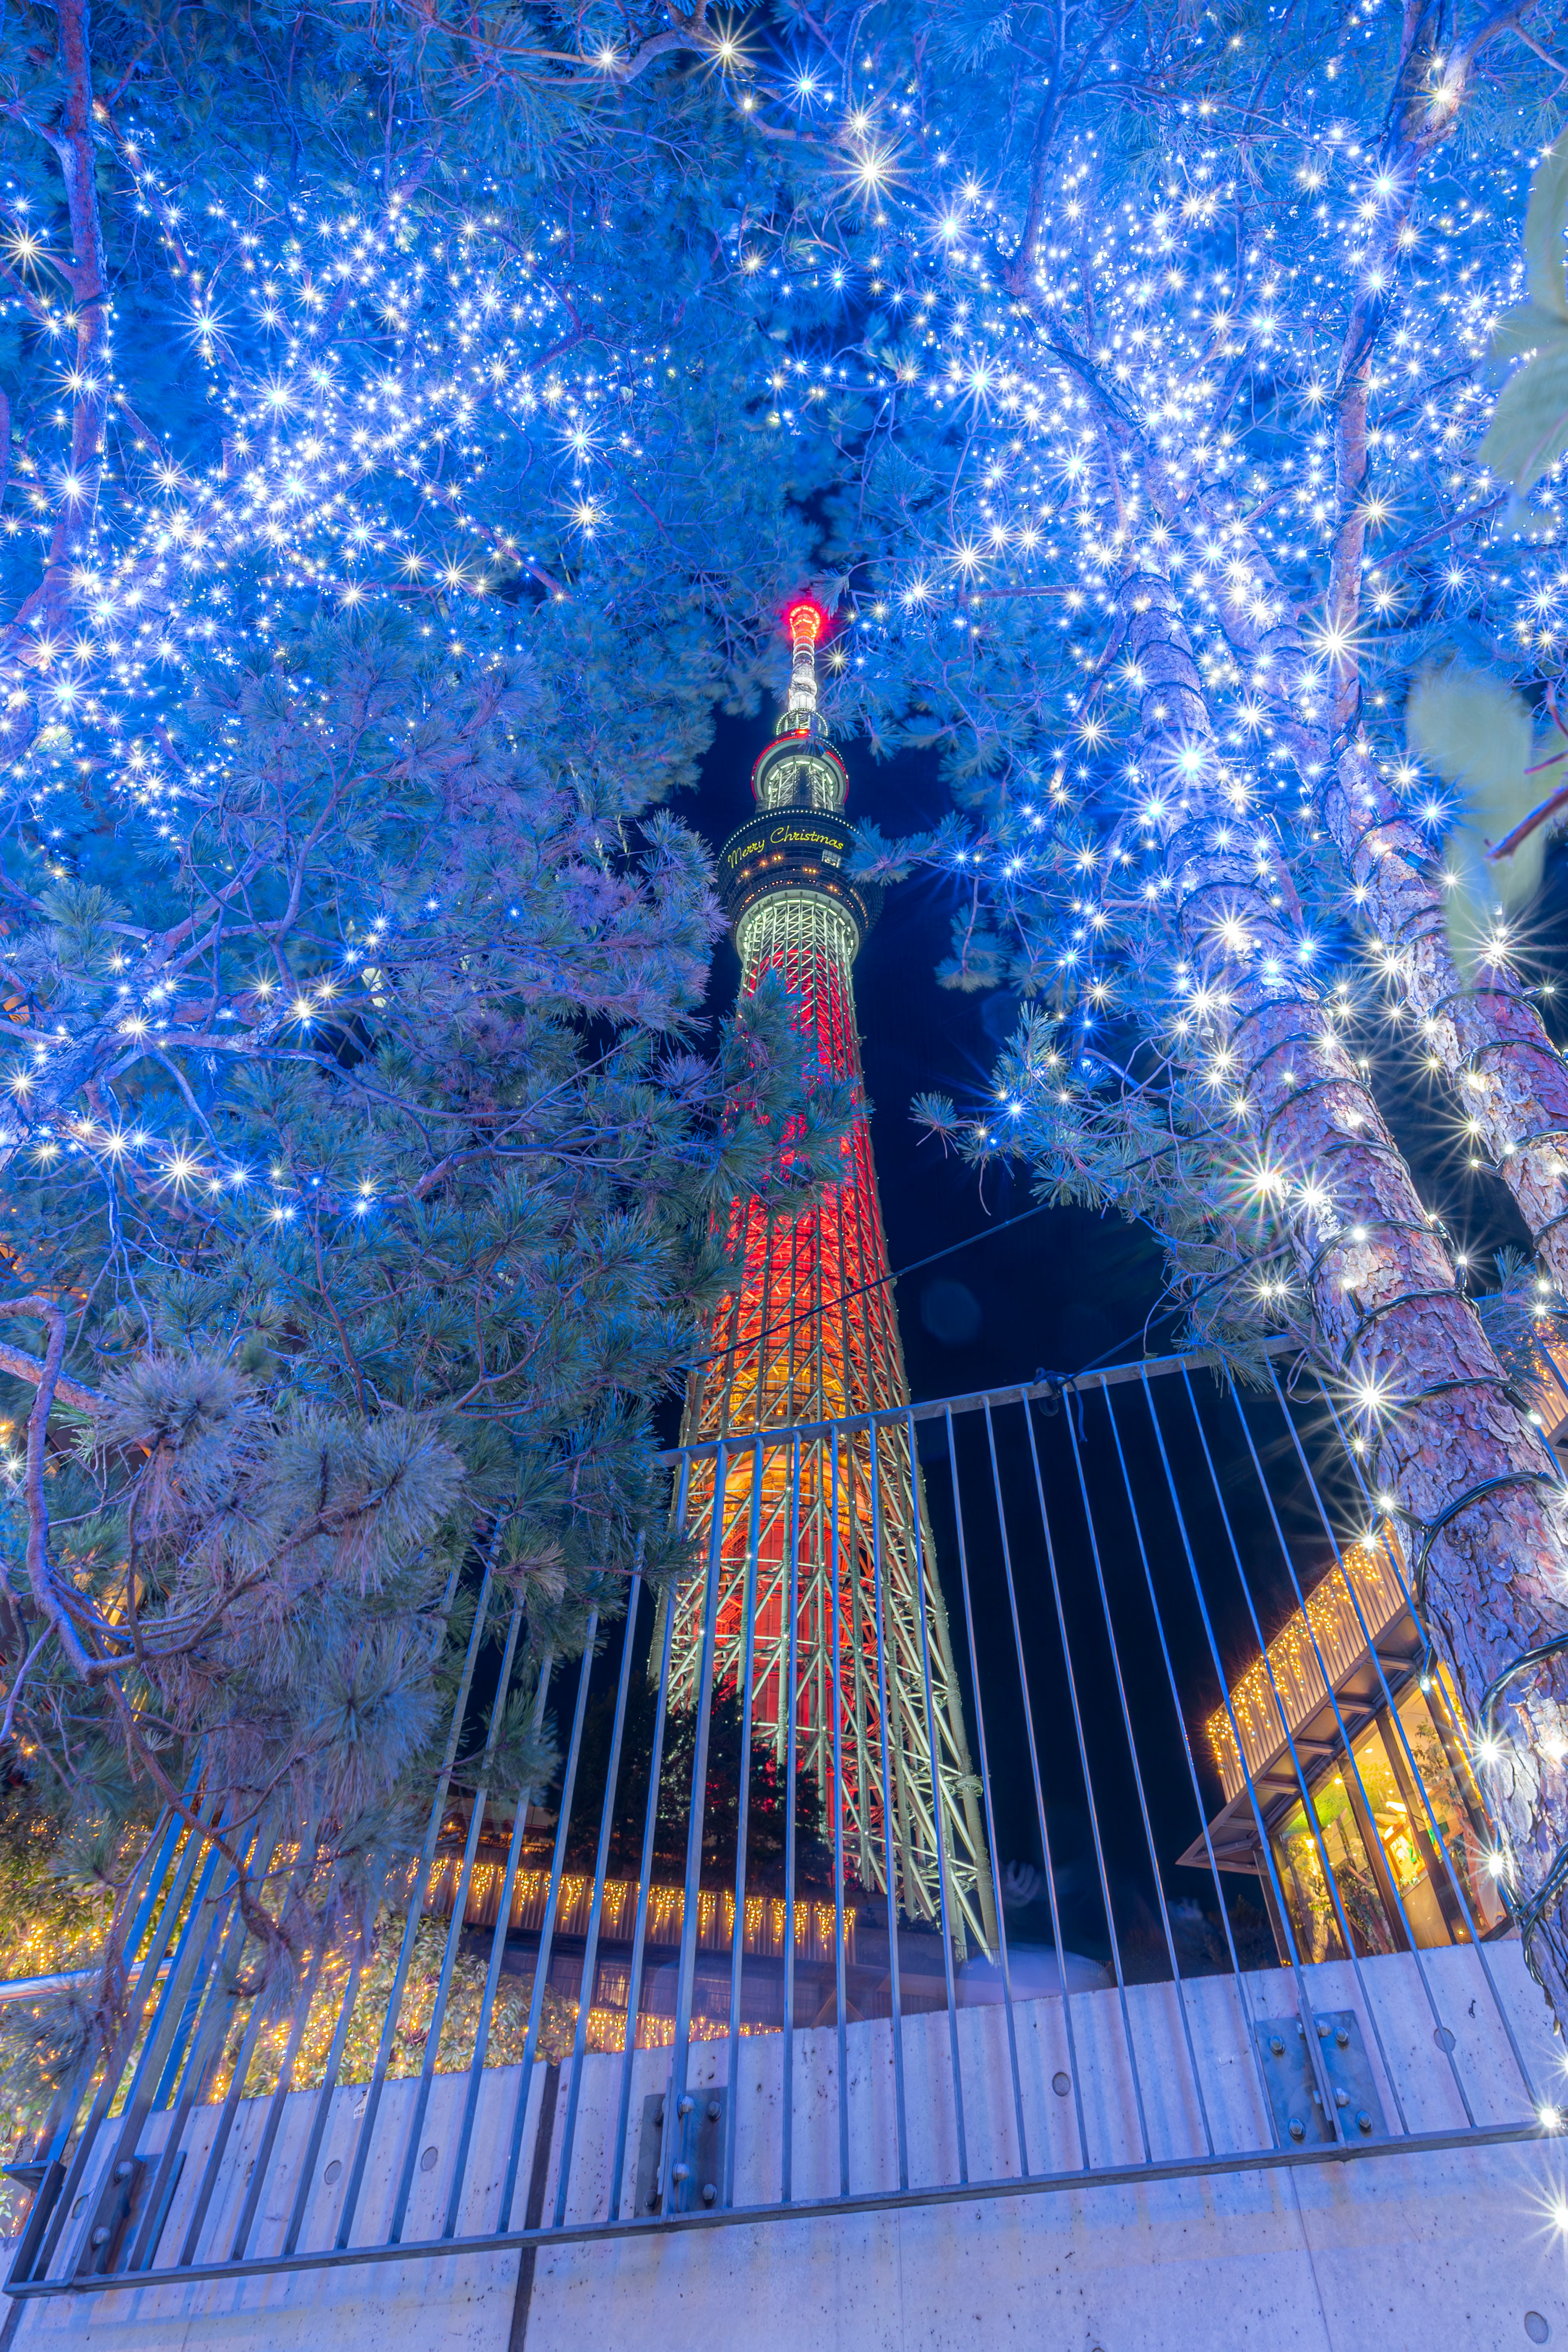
<point x="805" y="621"/>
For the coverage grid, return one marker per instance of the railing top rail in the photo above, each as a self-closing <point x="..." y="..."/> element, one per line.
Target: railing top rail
<point x="971" y="1400"/>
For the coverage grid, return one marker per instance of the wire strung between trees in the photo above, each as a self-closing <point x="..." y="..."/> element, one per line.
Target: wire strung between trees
<point x="916" y="1266"/>
<point x="878" y="1281"/>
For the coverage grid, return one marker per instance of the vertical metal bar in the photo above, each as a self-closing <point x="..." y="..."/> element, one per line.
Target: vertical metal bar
<point x="1552" y="1367"/>
<point x="1342" y="2128"/>
<point x="1344" y="1737"/>
<point x="323" y="2108"/>
<point x="844" y="2081"/>
<point x="416" y="1894"/>
<point x="1138" y="1782"/>
<point x="601" y="1863"/>
<point x="175" y="1828"/>
<point x="640" y="1928"/>
<point x="962" y="1803"/>
<point x="146" y="1880"/>
<point x="865" y="1865"/>
<point x="1455" y="1878"/>
<point x="792" y="1701"/>
<point x="227" y="2116"/>
<point x="197" y="1942"/>
<point x="547" y="1927"/>
<point x="896" y="1744"/>
<point x="1005" y="1963"/>
<point x="206" y="2047"/>
<point x="183" y="2028"/>
<point x="477" y="1811"/>
<point x="1304" y="2003"/>
<point x="328" y="2083"/>
<point x="884" y="1722"/>
<point x="274" y="2120"/>
<point x="1042" y="1823"/>
<point x="742" y="1821"/>
<point x="197" y="1864"/>
<point x="1094" y="1807"/>
<point x="1396" y="1566"/>
<point x="1236" y="1970"/>
<point x="938" y="1820"/>
<point x="498" y="1955"/>
<point x="679" y="2044"/>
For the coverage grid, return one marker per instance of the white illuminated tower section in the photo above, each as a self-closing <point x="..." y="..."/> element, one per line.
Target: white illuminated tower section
<point x="837" y="1532"/>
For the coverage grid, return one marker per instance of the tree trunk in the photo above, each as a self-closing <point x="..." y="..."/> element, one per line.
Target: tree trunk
<point x="1486" y="1032"/>
<point x="1478" y="1500"/>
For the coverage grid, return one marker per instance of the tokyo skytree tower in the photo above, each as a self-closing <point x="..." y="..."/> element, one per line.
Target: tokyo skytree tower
<point x="836" y="1524"/>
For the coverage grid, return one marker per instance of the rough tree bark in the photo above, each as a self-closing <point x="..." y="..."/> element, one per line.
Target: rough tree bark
<point x="1487" y="1034"/>
<point x="1480" y="1503"/>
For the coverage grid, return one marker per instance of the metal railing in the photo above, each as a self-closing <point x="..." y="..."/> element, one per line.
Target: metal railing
<point x="671" y="1992"/>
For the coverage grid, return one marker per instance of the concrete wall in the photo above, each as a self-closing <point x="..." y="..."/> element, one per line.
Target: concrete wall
<point x="1455" y="2249"/>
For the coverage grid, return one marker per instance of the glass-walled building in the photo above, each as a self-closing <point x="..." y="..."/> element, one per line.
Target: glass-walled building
<point x="1389" y="1844"/>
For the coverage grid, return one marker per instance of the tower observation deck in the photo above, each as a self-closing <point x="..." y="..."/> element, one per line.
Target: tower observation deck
<point x="825" y="1538"/>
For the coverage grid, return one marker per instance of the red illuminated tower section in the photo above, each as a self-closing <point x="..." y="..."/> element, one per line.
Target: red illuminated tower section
<point x="826" y="1536"/>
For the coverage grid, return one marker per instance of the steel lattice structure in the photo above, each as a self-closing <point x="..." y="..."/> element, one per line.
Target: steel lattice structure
<point x="836" y="1528"/>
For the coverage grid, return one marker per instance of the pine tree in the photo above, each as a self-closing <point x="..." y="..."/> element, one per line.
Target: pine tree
<point x="373" y="568"/>
<point x="366" y="1189"/>
<point x="368" y="582"/>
